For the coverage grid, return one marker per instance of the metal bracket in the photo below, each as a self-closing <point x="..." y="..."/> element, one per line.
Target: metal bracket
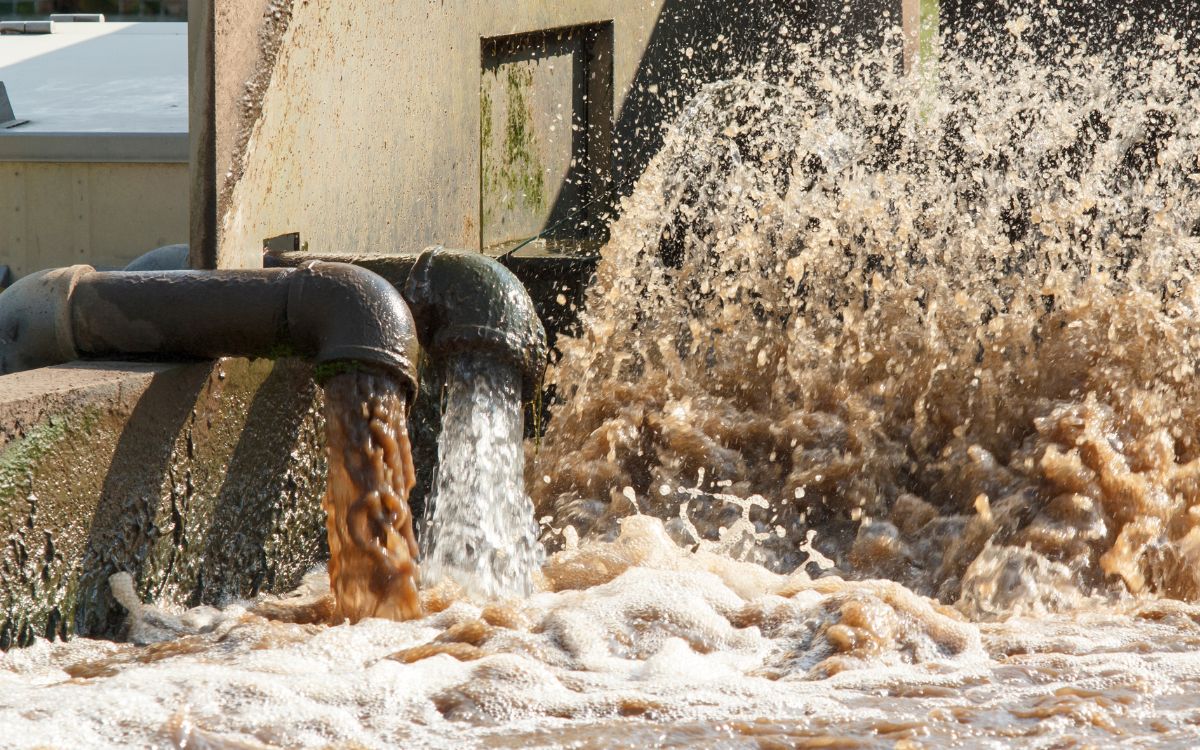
<point x="8" y="119"/>
<point x="282" y="243"/>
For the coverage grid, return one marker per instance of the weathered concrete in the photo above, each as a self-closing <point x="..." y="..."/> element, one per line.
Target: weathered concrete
<point x="105" y="215"/>
<point x="202" y="480"/>
<point x="232" y="48"/>
<point x="368" y="134"/>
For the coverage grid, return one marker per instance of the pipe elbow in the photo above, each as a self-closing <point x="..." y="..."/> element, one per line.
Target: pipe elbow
<point x="466" y="301"/>
<point x="338" y="313"/>
<point x="35" y="320"/>
<point x="165" y="258"/>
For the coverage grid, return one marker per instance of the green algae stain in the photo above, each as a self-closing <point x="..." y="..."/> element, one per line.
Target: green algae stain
<point x="39" y="584"/>
<point x="522" y="167"/>
<point x="512" y="175"/>
<point x="19" y="460"/>
<point x="488" y="177"/>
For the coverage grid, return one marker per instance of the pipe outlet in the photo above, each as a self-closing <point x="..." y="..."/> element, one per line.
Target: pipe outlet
<point x="465" y="301"/>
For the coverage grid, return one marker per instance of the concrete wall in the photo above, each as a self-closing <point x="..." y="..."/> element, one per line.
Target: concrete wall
<point x="202" y="480"/>
<point x="232" y="49"/>
<point x="366" y="134"/>
<point x="58" y="214"/>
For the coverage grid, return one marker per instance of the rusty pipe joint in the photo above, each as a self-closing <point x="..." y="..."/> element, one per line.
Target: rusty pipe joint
<point x="330" y="313"/>
<point x="35" y="320"/>
<point x="465" y="301"/>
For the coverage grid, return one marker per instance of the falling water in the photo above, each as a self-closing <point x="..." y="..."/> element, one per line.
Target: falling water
<point x="372" y="550"/>
<point x="481" y="533"/>
<point x="880" y="432"/>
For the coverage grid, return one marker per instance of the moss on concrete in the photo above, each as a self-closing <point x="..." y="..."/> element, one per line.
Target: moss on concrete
<point x="203" y="481"/>
<point x="512" y="174"/>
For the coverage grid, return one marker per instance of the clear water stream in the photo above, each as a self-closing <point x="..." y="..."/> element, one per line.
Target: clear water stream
<point x="481" y="533"/>
<point x="881" y="432"/>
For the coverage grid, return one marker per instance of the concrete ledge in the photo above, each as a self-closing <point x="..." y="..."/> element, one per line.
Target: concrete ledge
<point x="27" y="398"/>
<point x="202" y="480"/>
<point x="107" y="148"/>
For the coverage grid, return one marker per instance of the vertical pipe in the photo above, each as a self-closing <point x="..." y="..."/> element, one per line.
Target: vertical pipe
<point x="202" y="127"/>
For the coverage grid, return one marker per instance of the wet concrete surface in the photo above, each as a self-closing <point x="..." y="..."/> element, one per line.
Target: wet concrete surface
<point x="201" y="480"/>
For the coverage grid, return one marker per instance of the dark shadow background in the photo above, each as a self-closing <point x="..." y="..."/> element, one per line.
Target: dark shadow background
<point x="1121" y="25"/>
<point x="746" y="33"/>
<point x="727" y="39"/>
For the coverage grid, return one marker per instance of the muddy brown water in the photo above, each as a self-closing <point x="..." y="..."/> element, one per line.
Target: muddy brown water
<point x="881" y="431"/>
<point x="372" y="548"/>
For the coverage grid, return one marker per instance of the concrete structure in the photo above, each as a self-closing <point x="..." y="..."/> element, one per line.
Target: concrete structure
<point x="99" y="172"/>
<point x="203" y="480"/>
<point x="363" y="127"/>
<point x="387" y="127"/>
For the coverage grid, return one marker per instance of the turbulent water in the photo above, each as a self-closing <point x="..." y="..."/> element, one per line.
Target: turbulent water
<point x="880" y="432"/>
<point x="949" y="326"/>
<point x="372" y="548"/>
<point x="481" y="533"/>
<point x="632" y="643"/>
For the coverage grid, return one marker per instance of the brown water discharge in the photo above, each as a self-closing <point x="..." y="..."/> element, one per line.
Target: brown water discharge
<point x="881" y="433"/>
<point x="945" y="323"/>
<point x="372" y="549"/>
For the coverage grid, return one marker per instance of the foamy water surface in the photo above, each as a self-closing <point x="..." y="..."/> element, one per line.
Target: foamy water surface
<point x="634" y="643"/>
<point x="880" y="432"/>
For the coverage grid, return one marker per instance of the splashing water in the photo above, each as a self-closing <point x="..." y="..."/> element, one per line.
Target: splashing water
<point x="481" y="533"/>
<point x="923" y="316"/>
<point x="852" y="326"/>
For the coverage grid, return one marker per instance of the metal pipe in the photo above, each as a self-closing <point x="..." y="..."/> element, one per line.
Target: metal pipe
<point x="330" y="313"/>
<point x="462" y="301"/>
<point x="465" y="301"/>
<point x="165" y="258"/>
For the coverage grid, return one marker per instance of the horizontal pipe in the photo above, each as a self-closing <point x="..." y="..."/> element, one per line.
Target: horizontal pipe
<point x="394" y="268"/>
<point x="462" y="301"/>
<point x="329" y="313"/>
<point x="180" y="313"/>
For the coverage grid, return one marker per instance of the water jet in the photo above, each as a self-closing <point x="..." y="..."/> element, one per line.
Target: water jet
<point x="341" y="317"/>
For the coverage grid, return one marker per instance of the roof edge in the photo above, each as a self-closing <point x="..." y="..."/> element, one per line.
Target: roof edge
<point x="136" y="148"/>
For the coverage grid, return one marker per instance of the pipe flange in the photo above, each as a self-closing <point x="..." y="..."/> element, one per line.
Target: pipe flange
<point x="35" y="320"/>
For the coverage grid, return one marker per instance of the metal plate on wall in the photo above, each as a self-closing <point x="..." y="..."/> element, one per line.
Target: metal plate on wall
<point x="545" y="134"/>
